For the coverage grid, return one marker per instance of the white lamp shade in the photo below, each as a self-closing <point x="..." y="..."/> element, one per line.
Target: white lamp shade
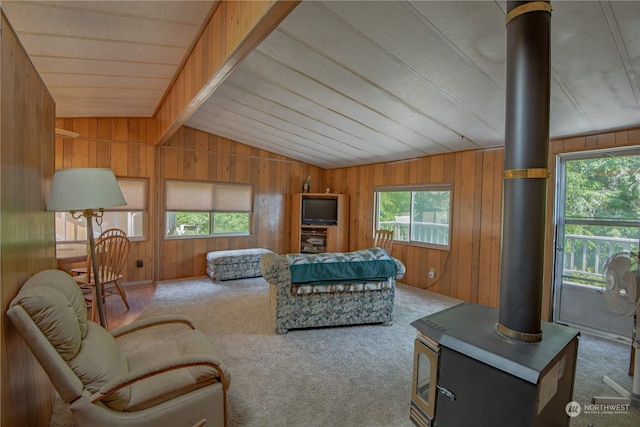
<point x="79" y="189"/>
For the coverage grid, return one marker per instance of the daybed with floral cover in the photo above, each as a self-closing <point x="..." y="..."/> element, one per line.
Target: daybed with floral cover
<point x="331" y="289"/>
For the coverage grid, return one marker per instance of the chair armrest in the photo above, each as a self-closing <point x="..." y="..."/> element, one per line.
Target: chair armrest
<point x="150" y="322"/>
<point x="400" y="269"/>
<point x="180" y="362"/>
<point x="275" y="271"/>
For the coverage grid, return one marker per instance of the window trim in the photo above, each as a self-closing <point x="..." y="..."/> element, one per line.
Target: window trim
<point x="207" y="206"/>
<point x="415" y="188"/>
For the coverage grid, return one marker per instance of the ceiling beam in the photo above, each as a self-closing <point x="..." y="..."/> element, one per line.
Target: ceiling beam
<point x="234" y="30"/>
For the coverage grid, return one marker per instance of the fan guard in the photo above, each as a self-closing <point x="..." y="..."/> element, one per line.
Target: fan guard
<point x="622" y="284"/>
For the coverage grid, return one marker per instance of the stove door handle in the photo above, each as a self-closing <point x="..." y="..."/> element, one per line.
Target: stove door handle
<point x="446" y="393"/>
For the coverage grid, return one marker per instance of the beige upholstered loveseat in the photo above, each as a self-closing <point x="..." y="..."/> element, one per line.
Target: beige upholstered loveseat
<point x="179" y="382"/>
<point x="331" y="289"/>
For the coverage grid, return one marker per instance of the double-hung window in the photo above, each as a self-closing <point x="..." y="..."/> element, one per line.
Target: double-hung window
<point x="416" y="214"/>
<point x="131" y="218"/>
<point x="198" y="208"/>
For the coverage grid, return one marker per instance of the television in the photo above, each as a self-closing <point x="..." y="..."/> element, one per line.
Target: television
<point x="320" y="211"/>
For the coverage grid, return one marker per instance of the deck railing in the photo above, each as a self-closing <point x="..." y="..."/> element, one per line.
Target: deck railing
<point x="585" y="256"/>
<point x="426" y="232"/>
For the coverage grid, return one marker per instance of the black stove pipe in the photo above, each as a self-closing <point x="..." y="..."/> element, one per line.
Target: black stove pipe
<point x="525" y="170"/>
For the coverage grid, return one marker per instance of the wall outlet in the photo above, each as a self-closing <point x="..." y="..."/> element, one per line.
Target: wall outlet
<point x="432" y="273"/>
<point x="139" y="263"/>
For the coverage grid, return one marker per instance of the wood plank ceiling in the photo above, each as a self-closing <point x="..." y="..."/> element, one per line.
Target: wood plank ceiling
<point x="343" y="83"/>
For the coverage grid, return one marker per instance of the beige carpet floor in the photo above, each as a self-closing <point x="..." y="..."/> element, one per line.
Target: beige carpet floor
<point x="345" y="376"/>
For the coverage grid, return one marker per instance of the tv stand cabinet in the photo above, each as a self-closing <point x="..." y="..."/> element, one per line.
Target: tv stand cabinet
<point x="312" y="238"/>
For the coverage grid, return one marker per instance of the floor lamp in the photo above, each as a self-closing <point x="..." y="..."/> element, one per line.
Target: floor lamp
<point x="86" y="192"/>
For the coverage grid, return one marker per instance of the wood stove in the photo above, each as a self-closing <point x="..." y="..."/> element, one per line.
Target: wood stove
<point x="465" y="373"/>
<point x="480" y="366"/>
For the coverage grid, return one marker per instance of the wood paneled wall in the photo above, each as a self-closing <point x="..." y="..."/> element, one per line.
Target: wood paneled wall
<point x="125" y="145"/>
<point x="235" y="29"/>
<point x="469" y="270"/>
<point x="194" y="155"/>
<point x="27" y="244"/>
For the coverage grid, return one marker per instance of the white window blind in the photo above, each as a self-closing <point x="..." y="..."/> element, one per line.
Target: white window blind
<point x="135" y="192"/>
<point x="182" y="196"/>
<point x="232" y="198"/>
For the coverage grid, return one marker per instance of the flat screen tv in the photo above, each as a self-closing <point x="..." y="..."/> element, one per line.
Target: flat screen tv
<point x="318" y="211"/>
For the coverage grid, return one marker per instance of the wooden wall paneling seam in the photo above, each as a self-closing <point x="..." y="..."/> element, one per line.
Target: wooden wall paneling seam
<point x="446" y="167"/>
<point x="272" y="207"/>
<point x="466" y="210"/>
<point x="449" y="287"/>
<point x="352" y="178"/>
<point x="604" y="140"/>
<point x="491" y="180"/>
<point x="133" y="160"/>
<point x="158" y="220"/>
<point x="622" y="138"/>
<point x="591" y="141"/>
<point x="263" y="202"/>
<point x="418" y="261"/>
<point x="368" y="208"/>
<point x="475" y="284"/>
<point x="574" y="144"/>
<point x="286" y="205"/>
<point x="634" y="136"/>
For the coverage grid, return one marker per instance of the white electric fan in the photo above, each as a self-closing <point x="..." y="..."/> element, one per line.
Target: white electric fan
<point x="622" y="293"/>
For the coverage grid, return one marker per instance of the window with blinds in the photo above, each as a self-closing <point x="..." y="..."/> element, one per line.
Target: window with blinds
<point x="198" y="208"/>
<point x="131" y="218"/>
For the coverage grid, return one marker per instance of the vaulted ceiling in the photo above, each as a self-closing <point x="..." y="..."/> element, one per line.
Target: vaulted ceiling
<point x="340" y="83"/>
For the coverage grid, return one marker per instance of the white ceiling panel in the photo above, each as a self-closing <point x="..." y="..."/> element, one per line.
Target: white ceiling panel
<point x="590" y="65"/>
<point x="408" y="36"/>
<point x="265" y="137"/>
<point x="330" y="106"/>
<point x="390" y="115"/>
<point x="341" y="83"/>
<point x="261" y="110"/>
<point x="384" y="69"/>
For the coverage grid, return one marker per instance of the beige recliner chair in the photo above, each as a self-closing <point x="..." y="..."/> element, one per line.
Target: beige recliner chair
<point x="179" y="382"/>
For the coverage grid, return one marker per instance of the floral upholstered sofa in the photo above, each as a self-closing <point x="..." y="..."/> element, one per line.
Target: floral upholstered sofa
<point x="331" y="289"/>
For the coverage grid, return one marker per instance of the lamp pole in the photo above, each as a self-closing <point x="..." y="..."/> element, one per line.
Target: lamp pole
<point x="89" y="214"/>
